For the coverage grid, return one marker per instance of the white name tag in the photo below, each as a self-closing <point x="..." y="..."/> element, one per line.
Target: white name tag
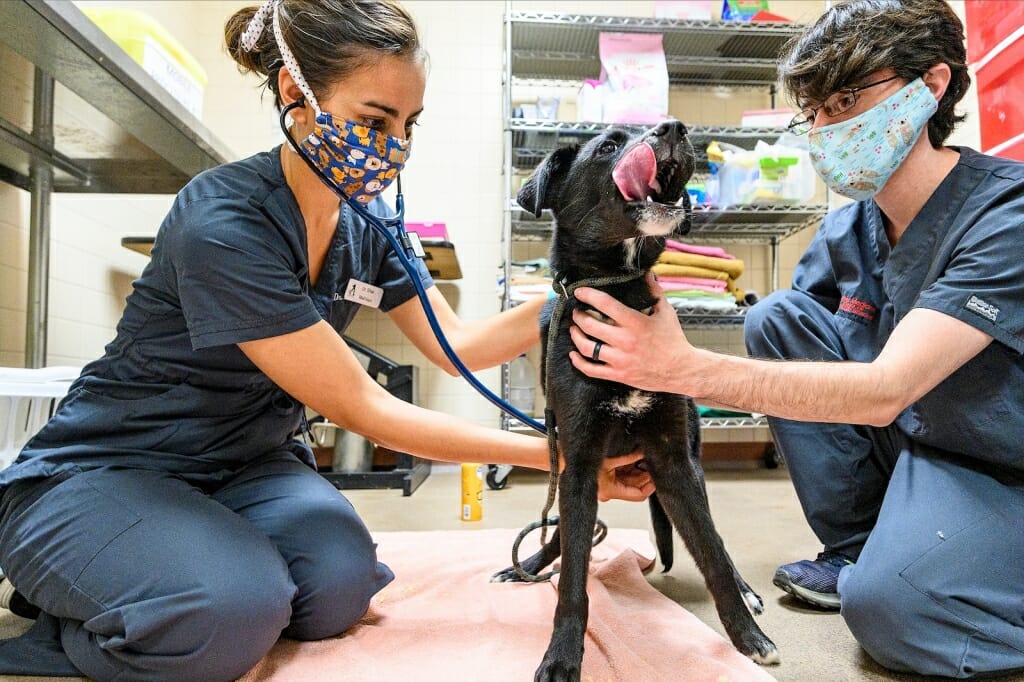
<point x="363" y="293"/>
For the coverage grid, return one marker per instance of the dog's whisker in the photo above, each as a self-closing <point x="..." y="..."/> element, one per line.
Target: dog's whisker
<point x="639" y="249"/>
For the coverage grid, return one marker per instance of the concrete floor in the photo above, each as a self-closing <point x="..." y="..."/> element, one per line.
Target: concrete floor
<point x="756" y="513"/>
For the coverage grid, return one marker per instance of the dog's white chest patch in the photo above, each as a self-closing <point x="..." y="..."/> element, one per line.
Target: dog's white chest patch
<point x="633" y="405"/>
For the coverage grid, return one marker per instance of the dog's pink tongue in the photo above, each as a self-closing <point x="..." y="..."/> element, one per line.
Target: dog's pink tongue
<point x="634" y="173"/>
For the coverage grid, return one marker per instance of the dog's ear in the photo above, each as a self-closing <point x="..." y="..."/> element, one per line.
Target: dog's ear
<point x="539" y="187"/>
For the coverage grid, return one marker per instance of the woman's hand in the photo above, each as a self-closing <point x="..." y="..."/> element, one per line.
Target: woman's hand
<point x="649" y="352"/>
<point x="623" y="478"/>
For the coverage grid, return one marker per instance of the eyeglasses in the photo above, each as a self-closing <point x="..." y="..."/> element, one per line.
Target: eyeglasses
<point x="837" y="103"/>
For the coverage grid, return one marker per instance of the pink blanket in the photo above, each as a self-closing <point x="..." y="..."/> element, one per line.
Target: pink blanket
<point x="442" y="620"/>
<point x="715" y="251"/>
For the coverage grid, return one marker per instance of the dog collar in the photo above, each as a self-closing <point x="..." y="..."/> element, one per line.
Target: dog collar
<point x="564" y="288"/>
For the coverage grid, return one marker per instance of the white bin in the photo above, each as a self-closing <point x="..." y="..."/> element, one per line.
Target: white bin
<point x="28" y="398"/>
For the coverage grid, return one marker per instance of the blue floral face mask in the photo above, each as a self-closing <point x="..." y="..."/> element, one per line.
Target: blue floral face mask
<point x="360" y="162"/>
<point x="857" y="157"/>
<point x="357" y="161"/>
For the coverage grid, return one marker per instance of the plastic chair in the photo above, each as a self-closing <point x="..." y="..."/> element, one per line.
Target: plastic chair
<point x="28" y="398"/>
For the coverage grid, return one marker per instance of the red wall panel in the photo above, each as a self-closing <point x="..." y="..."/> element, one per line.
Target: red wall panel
<point x="995" y="48"/>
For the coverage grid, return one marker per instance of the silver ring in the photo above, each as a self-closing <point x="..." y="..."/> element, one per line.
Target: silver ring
<point x="597" y="351"/>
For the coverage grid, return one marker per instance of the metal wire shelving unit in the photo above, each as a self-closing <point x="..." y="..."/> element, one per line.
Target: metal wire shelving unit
<point x="532" y="140"/>
<point x="543" y="49"/>
<point x="565" y="47"/>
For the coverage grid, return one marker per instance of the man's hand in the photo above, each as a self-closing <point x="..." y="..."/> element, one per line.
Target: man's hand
<point x="622" y="479"/>
<point x="649" y="352"/>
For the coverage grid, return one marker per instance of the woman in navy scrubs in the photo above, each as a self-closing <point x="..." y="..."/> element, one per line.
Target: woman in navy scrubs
<point x="167" y="522"/>
<point x="903" y="422"/>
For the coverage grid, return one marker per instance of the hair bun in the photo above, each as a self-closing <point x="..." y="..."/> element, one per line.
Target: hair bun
<point x="247" y="60"/>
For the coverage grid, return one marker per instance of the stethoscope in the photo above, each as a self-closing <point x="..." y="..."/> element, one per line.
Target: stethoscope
<point x="402" y="245"/>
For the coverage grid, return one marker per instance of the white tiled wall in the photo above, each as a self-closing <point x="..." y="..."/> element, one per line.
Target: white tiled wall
<point x="455" y="176"/>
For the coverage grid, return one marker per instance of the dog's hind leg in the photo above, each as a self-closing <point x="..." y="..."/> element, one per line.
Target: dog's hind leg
<point x="682" y="496"/>
<point x="534" y="564"/>
<point x="753" y="599"/>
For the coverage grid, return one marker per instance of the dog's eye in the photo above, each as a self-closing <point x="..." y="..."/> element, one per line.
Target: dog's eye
<point x="607" y="147"/>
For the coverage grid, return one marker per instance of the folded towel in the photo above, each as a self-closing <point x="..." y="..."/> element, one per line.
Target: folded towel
<point x="740" y="294"/>
<point x="703" y="281"/>
<point x="731" y="266"/>
<point x="704" y="304"/>
<point x="669" y="270"/>
<point x="670" y="287"/>
<point x="673" y="245"/>
<point x="720" y="413"/>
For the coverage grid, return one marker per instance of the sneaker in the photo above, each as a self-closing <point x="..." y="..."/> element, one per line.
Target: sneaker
<point x="815" y="582"/>
<point x="13" y="601"/>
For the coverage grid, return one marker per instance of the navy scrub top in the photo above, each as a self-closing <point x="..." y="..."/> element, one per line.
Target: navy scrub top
<point x="963" y="255"/>
<point x="173" y="392"/>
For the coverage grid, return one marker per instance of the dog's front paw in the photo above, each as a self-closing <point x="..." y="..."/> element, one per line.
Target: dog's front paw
<point x="760" y="649"/>
<point x="564" y="657"/>
<point x="556" y="669"/>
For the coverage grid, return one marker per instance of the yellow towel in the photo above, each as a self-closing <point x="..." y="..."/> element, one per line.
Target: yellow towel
<point x="740" y="294"/>
<point x="670" y="270"/>
<point x="731" y="266"/>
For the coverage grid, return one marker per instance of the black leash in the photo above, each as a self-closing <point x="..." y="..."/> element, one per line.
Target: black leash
<point x="600" y="532"/>
<point x="563" y="291"/>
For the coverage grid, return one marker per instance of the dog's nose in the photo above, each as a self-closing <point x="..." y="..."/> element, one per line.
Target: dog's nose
<point x="672" y="130"/>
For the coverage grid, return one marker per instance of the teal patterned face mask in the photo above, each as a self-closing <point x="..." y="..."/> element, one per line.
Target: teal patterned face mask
<point x="857" y="157"/>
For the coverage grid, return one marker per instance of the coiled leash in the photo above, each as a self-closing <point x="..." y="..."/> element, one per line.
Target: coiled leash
<point x="563" y="291"/>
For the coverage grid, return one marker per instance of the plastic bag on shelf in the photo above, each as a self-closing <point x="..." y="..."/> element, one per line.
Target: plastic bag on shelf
<point x="634" y="76"/>
<point x="779" y="173"/>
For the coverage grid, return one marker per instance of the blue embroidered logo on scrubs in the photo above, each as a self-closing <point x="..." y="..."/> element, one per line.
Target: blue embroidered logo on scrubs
<point x="857" y="157"/>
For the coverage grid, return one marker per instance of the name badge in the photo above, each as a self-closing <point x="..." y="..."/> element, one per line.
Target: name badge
<point x="363" y="293"/>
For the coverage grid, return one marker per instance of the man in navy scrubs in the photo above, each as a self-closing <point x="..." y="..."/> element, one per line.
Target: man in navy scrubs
<point x="903" y="421"/>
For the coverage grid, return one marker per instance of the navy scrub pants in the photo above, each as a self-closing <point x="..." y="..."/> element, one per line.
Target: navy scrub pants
<point x="938" y="587"/>
<point x="153" y="577"/>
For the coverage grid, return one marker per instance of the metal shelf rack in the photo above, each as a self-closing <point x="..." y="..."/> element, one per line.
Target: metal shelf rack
<point x="564" y="47"/>
<point x="532" y="140"/>
<point x="746" y="224"/>
<point x="543" y="48"/>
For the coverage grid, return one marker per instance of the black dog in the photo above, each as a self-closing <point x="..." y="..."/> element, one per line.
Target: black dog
<point x="615" y="199"/>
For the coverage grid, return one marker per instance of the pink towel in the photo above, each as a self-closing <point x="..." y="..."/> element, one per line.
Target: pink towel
<point x="717" y="251"/>
<point x="668" y="287"/>
<point x="443" y="620"/>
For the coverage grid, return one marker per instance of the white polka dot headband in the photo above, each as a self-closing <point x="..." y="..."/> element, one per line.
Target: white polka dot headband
<point x="252" y="34"/>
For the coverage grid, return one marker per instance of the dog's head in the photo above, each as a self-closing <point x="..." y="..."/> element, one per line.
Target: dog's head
<point x="614" y="191"/>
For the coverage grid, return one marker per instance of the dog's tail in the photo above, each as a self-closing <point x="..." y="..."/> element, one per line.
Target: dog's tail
<point x="662" y="532"/>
